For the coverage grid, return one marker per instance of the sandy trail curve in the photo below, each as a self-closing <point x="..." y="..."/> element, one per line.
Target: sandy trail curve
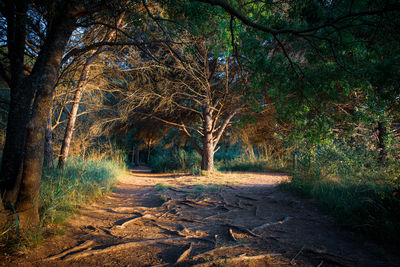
<point x="230" y="219"/>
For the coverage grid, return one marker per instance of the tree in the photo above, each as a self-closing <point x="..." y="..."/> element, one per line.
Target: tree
<point x="189" y="86"/>
<point x="54" y="23"/>
<point x="109" y="35"/>
<point x="318" y="60"/>
<point x="21" y="185"/>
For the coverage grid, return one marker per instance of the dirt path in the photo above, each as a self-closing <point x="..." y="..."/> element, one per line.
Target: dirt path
<point x="227" y="220"/>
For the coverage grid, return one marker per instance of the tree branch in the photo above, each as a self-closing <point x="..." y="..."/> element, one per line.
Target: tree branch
<point x="223" y="127"/>
<point x="330" y="23"/>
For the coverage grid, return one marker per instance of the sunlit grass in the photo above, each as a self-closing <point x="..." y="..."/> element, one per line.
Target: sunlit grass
<point x="63" y="191"/>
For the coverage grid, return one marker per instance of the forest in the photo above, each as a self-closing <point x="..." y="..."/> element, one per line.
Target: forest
<point x="309" y="89"/>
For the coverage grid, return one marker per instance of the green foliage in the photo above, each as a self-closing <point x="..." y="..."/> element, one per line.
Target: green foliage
<point x="350" y="184"/>
<point x="62" y="191"/>
<point x="176" y="160"/>
<point x="243" y="164"/>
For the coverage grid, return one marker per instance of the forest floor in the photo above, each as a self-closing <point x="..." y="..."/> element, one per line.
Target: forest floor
<point x="227" y="219"/>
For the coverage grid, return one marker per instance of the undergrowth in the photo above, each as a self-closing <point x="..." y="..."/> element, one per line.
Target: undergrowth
<point x="351" y="185"/>
<point x="176" y="160"/>
<point x="62" y="192"/>
<point x="243" y="164"/>
<point x="189" y="161"/>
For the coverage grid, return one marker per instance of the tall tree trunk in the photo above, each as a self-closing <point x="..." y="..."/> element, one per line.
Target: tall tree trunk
<point x="137" y="155"/>
<point x="207" y="157"/>
<point x="20" y="105"/>
<point x="44" y="76"/>
<point x="69" y="130"/>
<point x="14" y="148"/>
<point x="148" y="151"/>
<point x="48" y="145"/>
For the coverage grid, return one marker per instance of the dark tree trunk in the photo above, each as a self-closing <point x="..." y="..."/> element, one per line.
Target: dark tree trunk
<point x="48" y="145"/>
<point x="20" y="105"/>
<point x="43" y="76"/>
<point x="137" y="155"/>
<point x="148" y="151"/>
<point x="14" y="148"/>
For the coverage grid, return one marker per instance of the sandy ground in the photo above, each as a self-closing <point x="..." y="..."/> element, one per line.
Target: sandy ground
<point x="230" y="219"/>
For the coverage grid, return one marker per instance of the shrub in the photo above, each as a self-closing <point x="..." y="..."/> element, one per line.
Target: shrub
<point x="350" y="184"/>
<point x="176" y="160"/>
<point x="257" y="165"/>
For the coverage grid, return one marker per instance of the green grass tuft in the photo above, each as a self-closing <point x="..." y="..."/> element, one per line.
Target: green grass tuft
<point x="63" y="191"/>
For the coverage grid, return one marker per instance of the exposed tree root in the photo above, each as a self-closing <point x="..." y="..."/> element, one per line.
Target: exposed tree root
<point x="84" y="245"/>
<point x="236" y="260"/>
<point x="242" y="229"/>
<point x="123" y="225"/>
<point x="261" y="227"/>
<point x="329" y="258"/>
<point x="247" y="197"/>
<point x="113" y="248"/>
<point x="214" y="251"/>
<point x="185" y="254"/>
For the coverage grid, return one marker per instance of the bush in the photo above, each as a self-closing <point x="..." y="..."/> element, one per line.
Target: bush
<point x="350" y="184"/>
<point x="176" y="160"/>
<point x="243" y="164"/>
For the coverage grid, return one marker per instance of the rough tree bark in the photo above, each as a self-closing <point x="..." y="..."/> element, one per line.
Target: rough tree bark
<point x="48" y="145"/>
<point x="20" y="103"/>
<point x="43" y="77"/>
<point x="211" y="136"/>
<point x="207" y="157"/>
